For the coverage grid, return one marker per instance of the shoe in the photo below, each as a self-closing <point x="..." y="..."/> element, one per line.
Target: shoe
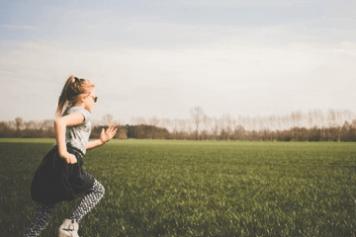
<point x="69" y="228"/>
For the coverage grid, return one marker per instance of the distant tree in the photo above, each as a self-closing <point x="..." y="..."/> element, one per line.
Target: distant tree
<point x="353" y="123"/>
<point x="122" y="133"/>
<point x="154" y="121"/>
<point x="296" y="118"/>
<point x="239" y="132"/>
<point x="19" y="123"/>
<point x="107" y="119"/>
<point x="139" y="120"/>
<point x="198" y="117"/>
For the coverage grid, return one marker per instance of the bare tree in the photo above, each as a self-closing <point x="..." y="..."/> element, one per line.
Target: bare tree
<point x="107" y="119"/>
<point x="296" y="118"/>
<point x="354" y="123"/>
<point x="198" y="117"/>
<point x="19" y="123"/>
<point x="138" y="120"/>
<point x="154" y="121"/>
<point x="332" y="118"/>
<point x="30" y="125"/>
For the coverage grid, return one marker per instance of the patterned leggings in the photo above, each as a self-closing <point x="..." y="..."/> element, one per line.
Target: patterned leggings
<point x="44" y="212"/>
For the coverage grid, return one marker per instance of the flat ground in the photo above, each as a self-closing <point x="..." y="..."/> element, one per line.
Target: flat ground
<point x="188" y="188"/>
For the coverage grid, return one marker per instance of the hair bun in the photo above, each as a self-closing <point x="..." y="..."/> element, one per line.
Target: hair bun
<point x="72" y="78"/>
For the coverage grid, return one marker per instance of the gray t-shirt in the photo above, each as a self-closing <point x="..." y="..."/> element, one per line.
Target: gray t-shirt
<point x="78" y="135"/>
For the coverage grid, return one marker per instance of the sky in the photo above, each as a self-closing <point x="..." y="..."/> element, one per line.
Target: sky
<point x="161" y="58"/>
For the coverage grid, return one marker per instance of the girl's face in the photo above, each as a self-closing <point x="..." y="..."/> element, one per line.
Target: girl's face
<point x="90" y="99"/>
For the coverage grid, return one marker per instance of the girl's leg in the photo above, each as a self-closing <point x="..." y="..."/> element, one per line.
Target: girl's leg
<point x="40" y="221"/>
<point x="89" y="201"/>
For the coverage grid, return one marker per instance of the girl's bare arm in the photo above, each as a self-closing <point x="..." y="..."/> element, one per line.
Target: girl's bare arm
<point x="60" y="124"/>
<point x="105" y="136"/>
<point x="94" y="143"/>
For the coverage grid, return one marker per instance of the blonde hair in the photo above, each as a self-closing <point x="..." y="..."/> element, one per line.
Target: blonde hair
<point x="72" y="90"/>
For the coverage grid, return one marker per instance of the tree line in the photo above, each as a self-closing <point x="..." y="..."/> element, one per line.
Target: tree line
<point x="199" y="127"/>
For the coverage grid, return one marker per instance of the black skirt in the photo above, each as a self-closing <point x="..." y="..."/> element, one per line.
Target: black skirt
<point x="55" y="180"/>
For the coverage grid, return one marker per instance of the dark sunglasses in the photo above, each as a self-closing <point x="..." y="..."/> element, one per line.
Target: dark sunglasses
<point x="95" y="98"/>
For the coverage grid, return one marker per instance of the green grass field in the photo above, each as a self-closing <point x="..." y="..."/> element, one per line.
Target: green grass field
<point x="187" y="188"/>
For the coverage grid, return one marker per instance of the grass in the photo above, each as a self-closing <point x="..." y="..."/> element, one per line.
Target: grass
<point x="188" y="188"/>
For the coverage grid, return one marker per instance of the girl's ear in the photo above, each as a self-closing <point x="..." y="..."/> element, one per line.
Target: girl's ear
<point x="82" y="98"/>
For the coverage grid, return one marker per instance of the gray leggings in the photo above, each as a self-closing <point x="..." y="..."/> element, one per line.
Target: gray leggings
<point x="44" y="212"/>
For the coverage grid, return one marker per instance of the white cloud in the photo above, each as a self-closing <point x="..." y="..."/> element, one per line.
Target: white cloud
<point x="275" y="57"/>
<point x="18" y="27"/>
<point x="222" y="78"/>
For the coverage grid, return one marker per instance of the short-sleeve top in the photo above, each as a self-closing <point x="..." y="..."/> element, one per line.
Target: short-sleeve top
<point x="78" y="135"/>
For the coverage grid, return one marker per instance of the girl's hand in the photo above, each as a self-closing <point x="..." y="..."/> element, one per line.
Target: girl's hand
<point x="69" y="158"/>
<point x="109" y="133"/>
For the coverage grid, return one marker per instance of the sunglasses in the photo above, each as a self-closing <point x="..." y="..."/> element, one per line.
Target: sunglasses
<point x="95" y="98"/>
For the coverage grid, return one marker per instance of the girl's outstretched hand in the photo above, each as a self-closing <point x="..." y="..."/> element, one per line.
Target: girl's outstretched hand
<point x="109" y="133"/>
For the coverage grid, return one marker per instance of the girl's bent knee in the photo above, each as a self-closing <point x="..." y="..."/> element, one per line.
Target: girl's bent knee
<point x="100" y="188"/>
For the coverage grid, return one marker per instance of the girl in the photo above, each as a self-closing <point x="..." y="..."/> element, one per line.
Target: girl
<point x="60" y="176"/>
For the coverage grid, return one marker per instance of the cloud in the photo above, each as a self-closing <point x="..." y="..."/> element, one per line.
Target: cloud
<point x="238" y="57"/>
<point x="229" y="78"/>
<point x="18" y="27"/>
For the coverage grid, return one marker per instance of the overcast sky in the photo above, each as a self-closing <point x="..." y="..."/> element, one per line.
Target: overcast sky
<point x="164" y="57"/>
